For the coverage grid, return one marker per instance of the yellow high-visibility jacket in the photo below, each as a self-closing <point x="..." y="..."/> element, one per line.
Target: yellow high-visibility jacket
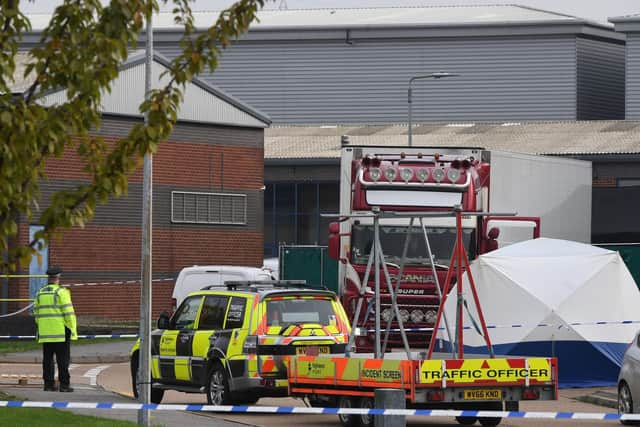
<point x="53" y="312"/>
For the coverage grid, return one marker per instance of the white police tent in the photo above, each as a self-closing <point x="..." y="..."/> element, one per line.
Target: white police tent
<point x="548" y="297"/>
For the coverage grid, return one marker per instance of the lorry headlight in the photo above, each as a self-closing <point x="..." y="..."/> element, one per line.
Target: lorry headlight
<point x="404" y="315"/>
<point x="438" y="175"/>
<point x="375" y="174"/>
<point x="417" y="316"/>
<point x="386" y="314"/>
<point x="390" y="174"/>
<point x="453" y="175"/>
<point x="422" y="174"/>
<point x="406" y="174"/>
<point x="430" y="316"/>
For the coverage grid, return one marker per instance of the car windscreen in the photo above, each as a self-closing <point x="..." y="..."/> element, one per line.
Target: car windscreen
<point x="300" y="310"/>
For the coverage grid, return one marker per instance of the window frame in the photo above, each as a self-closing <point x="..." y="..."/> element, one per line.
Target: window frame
<point x="210" y="197"/>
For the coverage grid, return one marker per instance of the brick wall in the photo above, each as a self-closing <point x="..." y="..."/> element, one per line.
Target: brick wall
<point x="103" y="252"/>
<point x="607" y="181"/>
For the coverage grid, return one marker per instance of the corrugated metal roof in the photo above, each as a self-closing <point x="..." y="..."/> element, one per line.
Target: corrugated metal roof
<point x="556" y="138"/>
<point x="203" y="102"/>
<point x="633" y="17"/>
<point x="373" y="17"/>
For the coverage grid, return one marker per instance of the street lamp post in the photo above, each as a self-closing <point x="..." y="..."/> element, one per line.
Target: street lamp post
<point x="438" y="75"/>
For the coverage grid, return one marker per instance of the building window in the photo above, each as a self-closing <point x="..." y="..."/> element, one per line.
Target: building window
<point x="208" y="208"/>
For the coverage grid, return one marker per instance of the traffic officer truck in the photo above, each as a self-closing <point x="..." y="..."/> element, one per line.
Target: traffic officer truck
<point x="232" y="341"/>
<point x="470" y="383"/>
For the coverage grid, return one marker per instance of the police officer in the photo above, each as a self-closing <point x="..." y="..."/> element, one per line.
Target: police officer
<point x="56" y="323"/>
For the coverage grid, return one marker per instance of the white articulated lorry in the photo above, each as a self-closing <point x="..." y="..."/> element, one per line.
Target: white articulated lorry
<point x="551" y="197"/>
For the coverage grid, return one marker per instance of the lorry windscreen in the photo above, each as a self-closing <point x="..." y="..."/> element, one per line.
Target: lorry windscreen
<point x="441" y="240"/>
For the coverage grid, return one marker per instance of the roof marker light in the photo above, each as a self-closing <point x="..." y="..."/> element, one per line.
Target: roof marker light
<point x="406" y="174"/>
<point x="390" y="174"/>
<point x="453" y="175"/>
<point x="375" y="174"/>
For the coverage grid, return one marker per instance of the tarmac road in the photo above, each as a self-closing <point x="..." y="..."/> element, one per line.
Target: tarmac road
<point x="106" y="378"/>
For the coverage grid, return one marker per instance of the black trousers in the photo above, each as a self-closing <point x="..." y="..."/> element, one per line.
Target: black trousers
<point x="62" y="351"/>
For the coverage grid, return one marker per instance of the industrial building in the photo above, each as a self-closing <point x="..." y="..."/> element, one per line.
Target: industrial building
<point x="207" y="200"/>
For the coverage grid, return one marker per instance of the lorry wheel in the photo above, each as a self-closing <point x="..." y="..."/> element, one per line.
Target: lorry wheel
<point x="218" y="386"/>
<point x="466" y="421"/>
<point x="347" y="420"/>
<point x="366" y="420"/>
<point x="491" y="421"/>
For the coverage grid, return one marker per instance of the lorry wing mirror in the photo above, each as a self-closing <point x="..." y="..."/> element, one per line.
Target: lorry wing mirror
<point x="334" y="240"/>
<point x="493" y="233"/>
<point x="164" y="322"/>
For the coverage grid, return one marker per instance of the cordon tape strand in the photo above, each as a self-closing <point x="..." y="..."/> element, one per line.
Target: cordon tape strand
<point x="523" y="325"/>
<point x="32" y="337"/>
<point x="320" y="411"/>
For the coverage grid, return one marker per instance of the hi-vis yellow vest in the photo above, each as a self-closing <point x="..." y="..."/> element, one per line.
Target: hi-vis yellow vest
<point x="53" y="311"/>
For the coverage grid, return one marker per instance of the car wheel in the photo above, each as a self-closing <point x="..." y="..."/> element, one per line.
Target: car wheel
<point x="218" y="386"/>
<point x="156" y="393"/>
<point x="134" y="375"/>
<point x="625" y="403"/>
<point x="366" y="420"/>
<point x="347" y="420"/>
<point x="466" y="421"/>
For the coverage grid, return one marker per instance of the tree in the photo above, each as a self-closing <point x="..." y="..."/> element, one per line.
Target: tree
<point x="79" y="52"/>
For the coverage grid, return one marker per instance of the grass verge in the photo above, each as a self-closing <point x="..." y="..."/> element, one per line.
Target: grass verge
<point x="45" y="417"/>
<point x="8" y="346"/>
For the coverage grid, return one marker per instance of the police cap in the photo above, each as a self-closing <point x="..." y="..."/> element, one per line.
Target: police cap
<point x="54" y="271"/>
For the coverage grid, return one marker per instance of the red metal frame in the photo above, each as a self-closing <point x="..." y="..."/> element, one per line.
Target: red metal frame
<point x="458" y="258"/>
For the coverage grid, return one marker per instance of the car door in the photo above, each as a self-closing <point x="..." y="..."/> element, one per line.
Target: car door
<point x="175" y="343"/>
<point x="211" y="319"/>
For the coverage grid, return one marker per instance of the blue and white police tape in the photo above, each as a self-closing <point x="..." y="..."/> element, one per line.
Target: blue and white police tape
<point x="523" y="325"/>
<point x="32" y="337"/>
<point x="319" y="411"/>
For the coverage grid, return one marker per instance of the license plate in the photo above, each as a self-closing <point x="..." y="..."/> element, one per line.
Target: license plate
<point x="312" y="350"/>
<point x="483" y="394"/>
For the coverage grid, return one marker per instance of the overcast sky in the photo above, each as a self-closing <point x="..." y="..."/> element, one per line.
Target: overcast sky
<point x="597" y="10"/>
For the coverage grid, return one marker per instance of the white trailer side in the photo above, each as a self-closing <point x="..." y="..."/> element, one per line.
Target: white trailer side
<point x="558" y="190"/>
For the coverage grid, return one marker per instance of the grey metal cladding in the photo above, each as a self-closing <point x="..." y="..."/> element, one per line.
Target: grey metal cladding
<point x="633" y="76"/>
<point x="127" y="211"/>
<point x="314" y="82"/>
<point x="600" y="68"/>
<point x="118" y="126"/>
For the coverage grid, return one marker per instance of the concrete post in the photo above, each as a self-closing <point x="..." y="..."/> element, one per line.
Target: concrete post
<point x="389" y="398"/>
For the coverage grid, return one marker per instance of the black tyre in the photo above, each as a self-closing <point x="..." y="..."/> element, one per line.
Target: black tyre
<point x="625" y="403"/>
<point x="156" y="393"/>
<point x="134" y="375"/>
<point x="366" y="420"/>
<point x="218" y="386"/>
<point x="466" y="421"/>
<point x="345" y="419"/>
<point x="491" y="421"/>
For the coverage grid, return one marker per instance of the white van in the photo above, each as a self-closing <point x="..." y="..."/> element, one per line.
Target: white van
<point x="197" y="277"/>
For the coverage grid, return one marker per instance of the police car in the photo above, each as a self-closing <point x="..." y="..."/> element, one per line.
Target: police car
<point x="232" y="342"/>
